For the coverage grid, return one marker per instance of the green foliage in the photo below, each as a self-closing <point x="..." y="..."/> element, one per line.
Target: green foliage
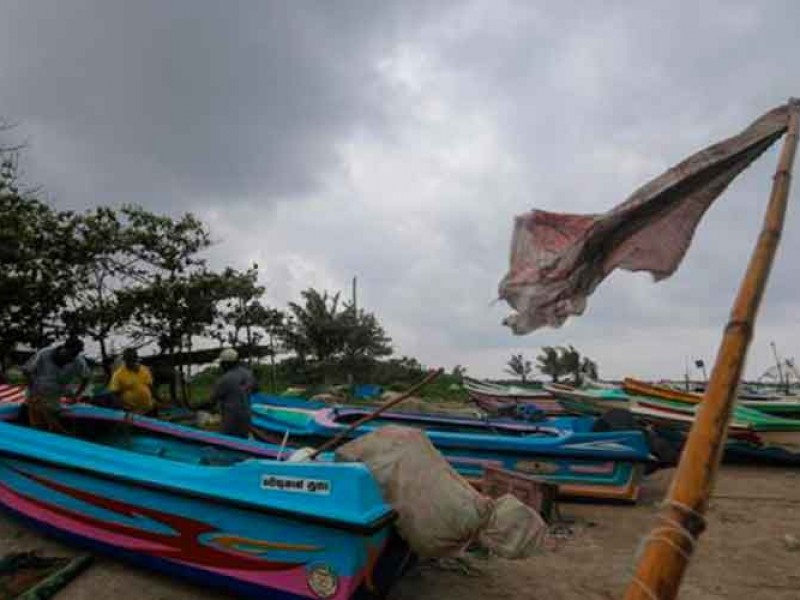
<point x="37" y="265"/>
<point x="398" y="371"/>
<point x="330" y="339"/>
<point x="129" y="273"/>
<point x="168" y="246"/>
<point x="447" y="388"/>
<point x="559" y="361"/>
<point x="314" y="327"/>
<point x="518" y="366"/>
<point x="106" y="267"/>
<point x="589" y="368"/>
<point x="548" y="363"/>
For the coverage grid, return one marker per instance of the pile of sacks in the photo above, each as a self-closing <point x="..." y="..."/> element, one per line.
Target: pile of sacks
<point x="439" y="513"/>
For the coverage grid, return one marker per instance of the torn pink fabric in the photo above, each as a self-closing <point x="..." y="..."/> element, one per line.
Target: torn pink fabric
<point x="558" y="259"/>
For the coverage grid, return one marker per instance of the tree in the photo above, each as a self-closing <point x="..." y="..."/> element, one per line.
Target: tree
<point x="176" y="296"/>
<point x="242" y="320"/>
<point x="589" y="368"/>
<point x="106" y="267"/>
<point x="312" y="328"/>
<point x="559" y="361"/>
<point x="241" y="309"/>
<point x="334" y="337"/>
<point x="519" y="367"/>
<point x="578" y="366"/>
<point x="37" y="265"/>
<point x="549" y="363"/>
<point x="364" y="341"/>
<point x="571" y="363"/>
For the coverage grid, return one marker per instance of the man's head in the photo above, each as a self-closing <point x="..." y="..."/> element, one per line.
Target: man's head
<point x="228" y="358"/>
<point x="131" y="358"/>
<point x="69" y="350"/>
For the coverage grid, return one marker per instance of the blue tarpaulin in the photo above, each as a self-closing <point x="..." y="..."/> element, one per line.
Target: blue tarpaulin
<point x="365" y="391"/>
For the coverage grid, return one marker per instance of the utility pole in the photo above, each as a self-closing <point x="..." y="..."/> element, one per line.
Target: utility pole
<point x="778" y="364"/>
<point x="686" y="373"/>
<point x="352" y="375"/>
<point x="700" y="364"/>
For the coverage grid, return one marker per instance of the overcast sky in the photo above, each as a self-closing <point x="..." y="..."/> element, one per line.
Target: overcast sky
<point x="396" y="141"/>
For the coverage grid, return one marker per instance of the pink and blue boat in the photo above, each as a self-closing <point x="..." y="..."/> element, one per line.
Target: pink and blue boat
<point x="563" y="451"/>
<point x="219" y="510"/>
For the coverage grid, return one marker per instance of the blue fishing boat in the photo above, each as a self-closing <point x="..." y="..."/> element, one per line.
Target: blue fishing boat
<point x="563" y="451"/>
<point x="287" y="401"/>
<point x="216" y="509"/>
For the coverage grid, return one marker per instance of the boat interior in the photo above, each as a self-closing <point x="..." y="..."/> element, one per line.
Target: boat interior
<point x="133" y="437"/>
<point x="461" y="426"/>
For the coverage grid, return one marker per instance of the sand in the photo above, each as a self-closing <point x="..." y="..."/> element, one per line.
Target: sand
<point x="749" y="552"/>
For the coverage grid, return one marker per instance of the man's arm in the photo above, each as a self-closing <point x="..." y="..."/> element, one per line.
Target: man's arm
<point x="82" y="384"/>
<point x="148" y="381"/>
<point x="114" y="385"/>
<point x="84" y="375"/>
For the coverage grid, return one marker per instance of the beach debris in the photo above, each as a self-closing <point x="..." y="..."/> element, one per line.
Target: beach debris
<point x="29" y="576"/>
<point x="791" y="542"/>
<point x="458" y="564"/>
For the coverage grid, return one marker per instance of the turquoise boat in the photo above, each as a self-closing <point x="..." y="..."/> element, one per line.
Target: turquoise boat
<point x="219" y="510"/>
<point x="587" y="401"/>
<point x="566" y="452"/>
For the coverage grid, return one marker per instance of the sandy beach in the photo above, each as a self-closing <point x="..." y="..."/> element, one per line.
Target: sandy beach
<point x="749" y="552"/>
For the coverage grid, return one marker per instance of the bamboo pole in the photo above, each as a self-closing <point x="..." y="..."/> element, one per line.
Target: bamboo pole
<point x="667" y="549"/>
<point x="56" y="581"/>
<point x="384" y="407"/>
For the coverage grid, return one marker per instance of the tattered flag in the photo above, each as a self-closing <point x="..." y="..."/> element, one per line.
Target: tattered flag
<point x="558" y="259"/>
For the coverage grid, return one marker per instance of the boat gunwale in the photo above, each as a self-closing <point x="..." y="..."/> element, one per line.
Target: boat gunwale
<point x="455" y="442"/>
<point x="369" y="528"/>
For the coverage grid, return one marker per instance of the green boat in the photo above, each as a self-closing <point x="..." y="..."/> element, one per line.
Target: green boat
<point x="751" y="433"/>
<point x="780" y="406"/>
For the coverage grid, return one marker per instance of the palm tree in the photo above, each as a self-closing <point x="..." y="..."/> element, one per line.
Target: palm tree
<point x="589" y="368"/>
<point x="571" y="363"/>
<point x="549" y="363"/>
<point x="559" y="361"/>
<point x="519" y="367"/>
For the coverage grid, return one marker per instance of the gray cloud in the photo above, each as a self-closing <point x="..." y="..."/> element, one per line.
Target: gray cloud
<point x="396" y="141"/>
<point x="170" y="102"/>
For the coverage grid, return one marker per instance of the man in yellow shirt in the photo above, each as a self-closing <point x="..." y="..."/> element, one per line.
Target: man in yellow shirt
<point x="132" y="383"/>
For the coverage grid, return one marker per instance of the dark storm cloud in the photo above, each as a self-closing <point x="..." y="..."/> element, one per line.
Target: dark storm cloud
<point x="396" y="141"/>
<point x="173" y="102"/>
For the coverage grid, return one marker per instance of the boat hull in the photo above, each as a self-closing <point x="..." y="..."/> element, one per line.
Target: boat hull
<point x="211" y="523"/>
<point x="581" y="402"/>
<point x="776" y="406"/>
<point x="759" y="440"/>
<point x="502" y="400"/>
<point x="607" y="465"/>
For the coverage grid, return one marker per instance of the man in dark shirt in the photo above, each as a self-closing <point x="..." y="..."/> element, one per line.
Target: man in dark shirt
<point x="50" y="373"/>
<point x="232" y="394"/>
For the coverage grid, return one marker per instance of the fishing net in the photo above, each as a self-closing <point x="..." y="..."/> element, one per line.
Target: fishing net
<point x="439" y="513"/>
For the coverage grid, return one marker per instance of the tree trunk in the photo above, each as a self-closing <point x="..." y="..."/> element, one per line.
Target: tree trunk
<point x="101" y="339"/>
<point x="272" y="363"/>
<point x="186" y="380"/>
<point x="173" y="392"/>
<point x="249" y="334"/>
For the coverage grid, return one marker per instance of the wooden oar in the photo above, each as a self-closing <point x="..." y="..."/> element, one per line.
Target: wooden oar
<point x="384" y="407"/>
<point x="668" y="547"/>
